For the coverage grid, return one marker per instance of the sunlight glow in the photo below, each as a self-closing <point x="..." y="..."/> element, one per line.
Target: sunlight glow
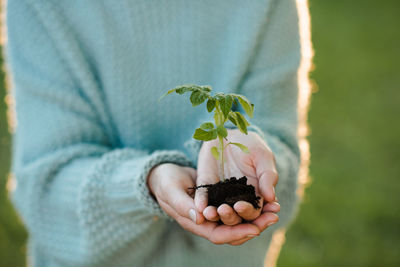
<point x="305" y="86"/>
<point x="9" y="100"/>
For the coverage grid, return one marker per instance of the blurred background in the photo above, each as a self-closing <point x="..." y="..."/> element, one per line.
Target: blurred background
<point x="350" y="215"/>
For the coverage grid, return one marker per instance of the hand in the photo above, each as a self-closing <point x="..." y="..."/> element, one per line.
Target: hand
<point x="169" y="184"/>
<point x="258" y="166"/>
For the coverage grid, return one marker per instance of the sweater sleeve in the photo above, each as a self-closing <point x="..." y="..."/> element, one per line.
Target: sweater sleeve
<point x="271" y="84"/>
<point x="81" y="196"/>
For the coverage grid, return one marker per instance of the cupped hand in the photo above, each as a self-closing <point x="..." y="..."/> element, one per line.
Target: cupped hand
<point x="169" y="184"/>
<point x="258" y="166"/>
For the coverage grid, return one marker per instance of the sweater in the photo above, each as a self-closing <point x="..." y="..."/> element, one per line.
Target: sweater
<point x="86" y="77"/>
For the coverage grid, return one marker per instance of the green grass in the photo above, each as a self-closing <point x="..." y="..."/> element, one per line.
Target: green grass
<point x="12" y="233"/>
<point x="351" y="212"/>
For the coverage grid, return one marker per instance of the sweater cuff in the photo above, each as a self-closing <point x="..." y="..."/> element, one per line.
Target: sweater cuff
<point x="117" y="188"/>
<point x="115" y="205"/>
<point x="129" y="193"/>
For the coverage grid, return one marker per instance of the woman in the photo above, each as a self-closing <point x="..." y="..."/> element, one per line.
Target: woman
<point x="102" y="168"/>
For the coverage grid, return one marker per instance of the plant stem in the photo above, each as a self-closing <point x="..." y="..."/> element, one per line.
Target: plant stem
<point x="220" y="121"/>
<point x="221" y="148"/>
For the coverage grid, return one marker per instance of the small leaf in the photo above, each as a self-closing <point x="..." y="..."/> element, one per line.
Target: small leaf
<point x="218" y="117"/>
<point x="248" y="107"/>
<point x="206" y="88"/>
<point x="207" y="126"/>
<point x="210" y="105"/>
<point x="232" y="118"/>
<point x="235" y="102"/>
<point x="242" y="122"/>
<point x="202" y="135"/>
<point x="183" y="90"/>
<point x="167" y="93"/>
<point x="243" y="118"/>
<point x="197" y="97"/>
<point x="226" y="104"/>
<point x="193" y="87"/>
<point x="242" y="147"/>
<point x="221" y="130"/>
<point x="214" y="134"/>
<point x="215" y="152"/>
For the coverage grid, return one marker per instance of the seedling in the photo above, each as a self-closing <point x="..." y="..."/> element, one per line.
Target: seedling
<point x="231" y="190"/>
<point x="222" y="106"/>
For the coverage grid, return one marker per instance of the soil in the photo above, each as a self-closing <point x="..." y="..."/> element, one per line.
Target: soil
<point x="230" y="191"/>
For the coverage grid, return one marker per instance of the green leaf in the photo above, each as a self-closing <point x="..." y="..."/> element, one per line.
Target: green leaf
<point x="197" y="97"/>
<point x="207" y="126"/>
<point x="191" y="88"/>
<point x="206" y="88"/>
<point x="248" y="107"/>
<point x="215" y="152"/>
<point x="235" y="102"/>
<point x="210" y="105"/>
<point x="167" y="93"/>
<point x="226" y="104"/>
<point x="214" y="134"/>
<point x="203" y="135"/>
<point x="242" y="122"/>
<point x="245" y="120"/>
<point x="232" y="118"/>
<point x="182" y="90"/>
<point x="221" y="130"/>
<point x="242" y="147"/>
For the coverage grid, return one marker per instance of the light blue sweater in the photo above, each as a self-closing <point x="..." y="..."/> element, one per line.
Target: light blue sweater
<point x="86" y="77"/>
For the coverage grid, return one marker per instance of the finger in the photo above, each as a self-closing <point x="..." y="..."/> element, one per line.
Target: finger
<point x="223" y="234"/>
<point x="272" y="207"/>
<point x="246" y="210"/>
<point x="204" y="230"/>
<point x="211" y="214"/>
<point x="267" y="182"/>
<point x="264" y="162"/>
<point x="242" y="241"/>
<point x="183" y="204"/>
<point x="207" y="173"/>
<point x="265" y="220"/>
<point x="227" y="215"/>
<point x="217" y="234"/>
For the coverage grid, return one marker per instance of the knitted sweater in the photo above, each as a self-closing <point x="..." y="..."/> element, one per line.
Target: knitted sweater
<point x="86" y="77"/>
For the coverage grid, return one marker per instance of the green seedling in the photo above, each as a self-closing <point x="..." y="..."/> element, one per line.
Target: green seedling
<point x="222" y="105"/>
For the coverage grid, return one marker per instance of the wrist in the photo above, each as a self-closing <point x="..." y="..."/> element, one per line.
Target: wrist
<point x="151" y="179"/>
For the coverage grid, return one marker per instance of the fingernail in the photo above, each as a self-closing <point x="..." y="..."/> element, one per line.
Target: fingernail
<point x="271" y="223"/>
<point x="276" y="204"/>
<point x="192" y="215"/>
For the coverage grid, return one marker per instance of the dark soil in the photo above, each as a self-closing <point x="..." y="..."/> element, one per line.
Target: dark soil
<point x="230" y="191"/>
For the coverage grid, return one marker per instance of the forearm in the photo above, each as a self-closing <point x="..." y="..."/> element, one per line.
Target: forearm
<point x="95" y="201"/>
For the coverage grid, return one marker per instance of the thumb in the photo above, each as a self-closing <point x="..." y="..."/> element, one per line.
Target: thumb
<point x="207" y="173"/>
<point x="267" y="175"/>
<point x="183" y="204"/>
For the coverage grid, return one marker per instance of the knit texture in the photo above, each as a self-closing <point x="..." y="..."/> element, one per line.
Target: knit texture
<point x="86" y="77"/>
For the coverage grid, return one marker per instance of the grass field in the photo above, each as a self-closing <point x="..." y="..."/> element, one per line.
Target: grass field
<point x="351" y="212"/>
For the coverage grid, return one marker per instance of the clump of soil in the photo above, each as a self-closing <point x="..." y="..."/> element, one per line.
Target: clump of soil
<point x="230" y="191"/>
